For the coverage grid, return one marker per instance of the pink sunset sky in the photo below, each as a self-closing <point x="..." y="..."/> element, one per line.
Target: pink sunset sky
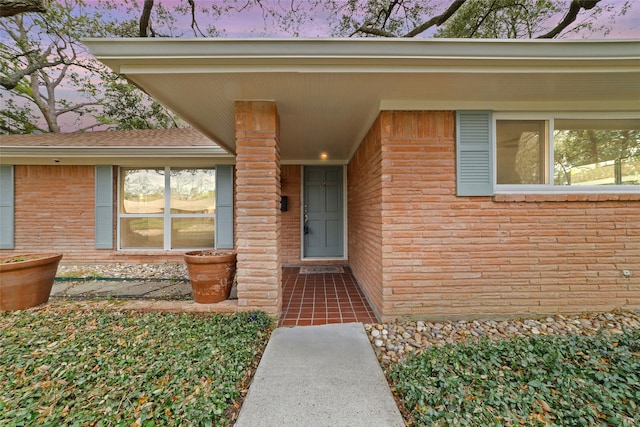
<point x="250" y="22"/>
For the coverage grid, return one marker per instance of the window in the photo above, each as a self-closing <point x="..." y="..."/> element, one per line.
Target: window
<point x="167" y="208"/>
<point x="566" y="153"/>
<point x="521" y="151"/>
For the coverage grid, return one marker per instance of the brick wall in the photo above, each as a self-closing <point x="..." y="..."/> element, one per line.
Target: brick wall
<point x="54" y="212"/>
<point x="446" y="256"/>
<point x="257" y="206"/>
<point x="364" y="195"/>
<point x="290" y="237"/>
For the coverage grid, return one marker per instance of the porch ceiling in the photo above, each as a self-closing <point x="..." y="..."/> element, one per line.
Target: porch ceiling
<point x="329" y="91"/>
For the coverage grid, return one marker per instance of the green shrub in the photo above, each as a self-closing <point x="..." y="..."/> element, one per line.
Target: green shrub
<point x="543" y="380"/>
<point x="109" y="368"/>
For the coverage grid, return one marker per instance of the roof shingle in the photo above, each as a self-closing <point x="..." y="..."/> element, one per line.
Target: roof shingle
<point x="177" y="137"/>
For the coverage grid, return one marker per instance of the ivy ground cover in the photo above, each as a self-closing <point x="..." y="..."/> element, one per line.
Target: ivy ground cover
<point x="105" y="368"/>
<point x="524" y="381"/>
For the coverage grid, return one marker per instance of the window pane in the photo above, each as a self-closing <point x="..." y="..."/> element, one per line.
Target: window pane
<point x="193" y="191"/>
<point x="597" y="152"/>
<point x="141" y="233"/>
<point x="520" y="151"/>
<point x="142" y="191"/>
<point x="192" y="233"/>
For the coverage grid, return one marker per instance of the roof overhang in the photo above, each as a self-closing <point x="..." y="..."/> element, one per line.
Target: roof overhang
<point x="123" y="156"/>
<point x="143" y="147"/>
<point x="329" y="91"/>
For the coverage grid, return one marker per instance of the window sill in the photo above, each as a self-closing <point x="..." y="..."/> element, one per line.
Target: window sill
<point x="138" y="252"/>
<point x="567" y="197"/>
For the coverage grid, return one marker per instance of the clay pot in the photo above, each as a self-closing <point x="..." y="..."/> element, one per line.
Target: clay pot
<point x="26" y="280"/>
<point x="211" y="274"/>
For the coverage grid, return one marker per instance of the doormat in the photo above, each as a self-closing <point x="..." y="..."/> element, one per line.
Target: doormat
<point x="321" y="269"/>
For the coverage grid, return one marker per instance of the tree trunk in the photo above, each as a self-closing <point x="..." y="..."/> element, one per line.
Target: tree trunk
<point x="14" y="7"/>
<point x="145" y="18"/>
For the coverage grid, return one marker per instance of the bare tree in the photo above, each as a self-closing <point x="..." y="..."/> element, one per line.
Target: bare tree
<point x="145" y="20"/>
<point x="146" y="27"/>
<point x="52" y="83"/>
<point x="36" y="74"/>
<point x="409" y="18"/>
<point x="383" y="21"/>
<point x="570" y="17"/>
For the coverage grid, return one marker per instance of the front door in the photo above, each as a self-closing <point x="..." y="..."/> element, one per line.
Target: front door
<point x="323" y="216"/>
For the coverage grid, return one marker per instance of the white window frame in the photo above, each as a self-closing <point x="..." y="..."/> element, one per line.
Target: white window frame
<point x="166" y="216"/>
<point x="550" y="117"/>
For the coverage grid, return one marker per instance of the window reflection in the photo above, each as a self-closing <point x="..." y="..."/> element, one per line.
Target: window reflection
<point x="520" y="151"/>
<point x="192" y="233"/>
<point x="145" y="223"/>
<point x="141" y="233"/>
<point x="142" y="191"/>
<point x="193" y="191"/>
<point x="597" y="152"/>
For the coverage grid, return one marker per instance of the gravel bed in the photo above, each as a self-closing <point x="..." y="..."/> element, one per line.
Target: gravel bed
<point x="166" y="271"/>
<point x="393" y="341"/>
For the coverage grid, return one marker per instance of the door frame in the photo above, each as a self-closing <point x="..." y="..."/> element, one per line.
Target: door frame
<point x="345" y="222"/>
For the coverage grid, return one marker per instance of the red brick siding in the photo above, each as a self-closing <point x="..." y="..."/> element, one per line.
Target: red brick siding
<point x="55" y="212"/>
<point x="447" y="256"/>
<point x="290" y="243"/>
<point x="364" y="197"/>
<point x="258" y="217"/>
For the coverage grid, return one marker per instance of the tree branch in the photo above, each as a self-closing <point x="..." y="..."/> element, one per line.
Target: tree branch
<point x="194" y="23"/>
<point x="14" y="7"/>
<point x="89" y="127"/>
<point x="570" y="17"/>
<point x="145" y="18"/>
<point x="75" y="107"/>
<point x="482" y="19"/>
<point x="437" y="20"/>
<point x="368" y="29"/>
<point x="387" y="13"/>
<point x="11" y="81"/>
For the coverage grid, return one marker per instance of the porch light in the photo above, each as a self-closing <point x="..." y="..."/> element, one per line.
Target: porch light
<point x="324" y="156"/>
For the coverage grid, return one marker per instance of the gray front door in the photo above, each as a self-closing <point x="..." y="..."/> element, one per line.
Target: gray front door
<point x="323" y="225"/>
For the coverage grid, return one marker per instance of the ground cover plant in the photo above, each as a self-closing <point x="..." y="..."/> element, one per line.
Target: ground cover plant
<point x="532" y="381"/>
<point x="99" y="368"/>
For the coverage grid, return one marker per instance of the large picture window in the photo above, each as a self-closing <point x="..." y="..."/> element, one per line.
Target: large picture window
<point x="167" y="208"/>
<point x="567" y="153"/>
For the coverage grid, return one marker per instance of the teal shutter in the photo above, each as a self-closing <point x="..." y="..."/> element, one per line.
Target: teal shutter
<point x="104" y="207"/>
<point x="6" y="207"/>
<point x="474" y="153"/>
<point x="224" y="207"/>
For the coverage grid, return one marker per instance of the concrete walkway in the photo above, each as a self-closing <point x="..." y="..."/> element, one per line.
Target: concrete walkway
<point x="319" y="376"/>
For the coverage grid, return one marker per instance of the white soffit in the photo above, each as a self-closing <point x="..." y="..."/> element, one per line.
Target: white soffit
<point x="329" y="91"/>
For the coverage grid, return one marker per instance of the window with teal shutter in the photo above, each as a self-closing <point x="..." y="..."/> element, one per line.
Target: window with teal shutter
<point x="474" y="153"/>
<point x="104" y="207"/>
<point x="224" y="207"/>
<point x="6" y="207"/>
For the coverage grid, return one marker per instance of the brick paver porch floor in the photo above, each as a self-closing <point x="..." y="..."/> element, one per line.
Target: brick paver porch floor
<point x="320" y="299"/>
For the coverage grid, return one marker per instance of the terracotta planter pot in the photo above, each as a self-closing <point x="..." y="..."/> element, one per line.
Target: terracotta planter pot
<point x="27" y="283"/>
<point x="211" y="274"/>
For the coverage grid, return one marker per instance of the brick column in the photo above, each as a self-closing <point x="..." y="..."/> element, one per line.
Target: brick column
<point x="257" y="213"/>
